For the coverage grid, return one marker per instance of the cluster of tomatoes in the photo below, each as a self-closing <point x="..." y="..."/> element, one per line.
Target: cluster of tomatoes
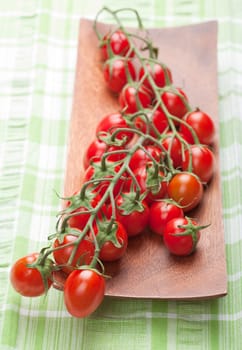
<point x="145" y="170"/>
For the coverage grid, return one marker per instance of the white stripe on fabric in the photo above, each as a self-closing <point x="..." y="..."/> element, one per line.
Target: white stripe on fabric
<point x="233" y="211"/>
<point x="154" y="17"/>
<point x="227" y="162"/>
<point x="232" y="225"/>
<point x="134" y="315"/>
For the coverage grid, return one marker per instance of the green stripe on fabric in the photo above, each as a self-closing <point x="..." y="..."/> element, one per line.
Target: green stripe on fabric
<point x="214" y="327"/>
<point x="231" y="193"/>
<point x="230" y="132"/>
<point x="159" y="325"/>
<point x="48" y="131"/>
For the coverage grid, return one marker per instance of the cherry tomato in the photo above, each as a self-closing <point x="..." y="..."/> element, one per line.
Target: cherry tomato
<point x="160" y="213"/>
<point x="118" y="43"/>
<point x="109" y="251"/>
<point x="116" y="73"/>
<point x="203" y="126"/>
<point x="136" y="221"/>
<point x="112" y="122"/>
<point x="141" y="156"/>
<point x="175" y="104"/>
<point x="96" y="150"/>
<point x="146" y="178"/>
<point x="181" y="236"/>
<point x="28" y="281"/>
<point x="160" y="75"/>
<point x="202" y="161"/>
<point x="186" y="189"/>
<point x="133" y="98"/>
<point x="159" y="123"/>
<point x="83" y="255"/>
<point x="90" y="201"/>
<point x="174" y="147"/>
<point x="83" y="292"/>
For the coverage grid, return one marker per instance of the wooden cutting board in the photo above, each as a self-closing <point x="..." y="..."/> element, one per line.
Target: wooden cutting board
<point x="148" y="270"/>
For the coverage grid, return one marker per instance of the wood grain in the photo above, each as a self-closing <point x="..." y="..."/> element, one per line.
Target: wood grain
<point x="148" y="270"/>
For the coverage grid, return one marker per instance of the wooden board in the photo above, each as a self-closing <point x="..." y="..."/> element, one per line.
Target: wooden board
<point x="148" y="270"/>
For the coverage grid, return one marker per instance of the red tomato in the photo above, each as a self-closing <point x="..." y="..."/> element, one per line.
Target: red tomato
<point x="90" y="201"/>
<point x="96" y="150"/>
<point x="146" y="178"/>
<point x="95" y="172"/>
<point x="203" y="126"/>
<point x="186" y="189"/>
<point x="140" y="157"/>
<point x="133" y="98"/>
<point x="116" y="42"/>
<point x="202" y="161"/>
<point x="175" y="104"/>
<point x="112" y="122"/>
<point x="116" y="73"/>
<point x="159" y="123"/>
<point x="160" y="213"/>
<point x="136" y="221"/>
<point x="181" y="236"/>
<point x="109" y="251"/>
<point x="28" y="281"/>
<point x="83" y="255"/>
<point x="160" y="75"/>
<point x="174" y="147"/>
<point x="83" y="292"/>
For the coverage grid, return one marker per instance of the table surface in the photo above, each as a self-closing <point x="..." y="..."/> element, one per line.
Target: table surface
<point x="37" y="60"/>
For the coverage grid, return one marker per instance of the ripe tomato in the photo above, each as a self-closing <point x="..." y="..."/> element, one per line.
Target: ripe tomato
<point x="160" y="75"/>
<point x="116" y="73"/>
<point x="117" y="42"/>
<point x="140" y="157"/>
<point x="186" y="189"/>
<point x="112" y="122"/>
<point x="160" y="213"/>
<point x="109" y="251"/>
<point x="173" y="146"/>
<point x="28" y="281"/>
<point x="154" y="185"/>
<point x="83" y="292"/>
<point x="175" y="104"/>
<point x="159" y="123"/>
<point x="202" y="161"/>
<point x="83" y="255"/>
<point x="135" y="221"/>
<point x="181" y="236"/>
<point x="96" y="150"/>
<point x="203" y="126"/>
<point x="81" y="206"/>
<point x="134" y="98"/>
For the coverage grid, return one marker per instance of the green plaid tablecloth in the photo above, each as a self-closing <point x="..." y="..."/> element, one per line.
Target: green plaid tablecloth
<point x="38" y="44"/>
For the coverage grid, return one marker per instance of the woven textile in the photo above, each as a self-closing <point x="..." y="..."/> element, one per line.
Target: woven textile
<point x="38" y="48"/>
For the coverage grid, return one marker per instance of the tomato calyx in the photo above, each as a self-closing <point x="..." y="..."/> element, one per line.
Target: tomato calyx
<point x="45" y="266"/>
<point x="107" y="231"/>
<point x="190" y="230"/>
<point x="103" y="169"/>
<point x="81" y="199"/>
<point x="131" y="202"/>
